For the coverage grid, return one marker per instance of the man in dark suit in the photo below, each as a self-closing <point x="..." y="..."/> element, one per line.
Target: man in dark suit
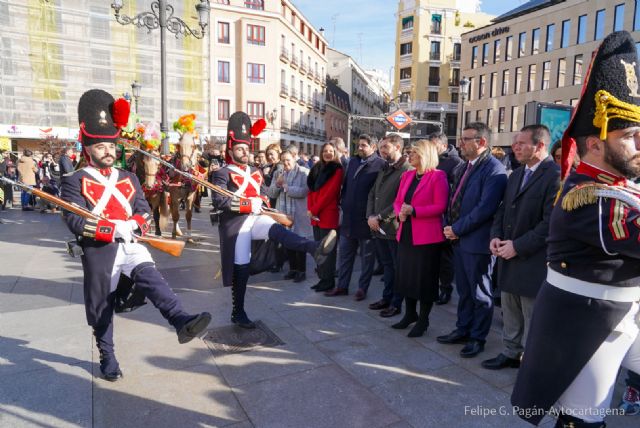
<point x="520" y="229"/>
<point x="477" y="192"/>
<point x="355" y="234"/>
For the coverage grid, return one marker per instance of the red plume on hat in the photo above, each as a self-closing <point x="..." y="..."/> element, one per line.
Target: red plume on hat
<point x="120" y="112"/>
<point x="258" y="127"/>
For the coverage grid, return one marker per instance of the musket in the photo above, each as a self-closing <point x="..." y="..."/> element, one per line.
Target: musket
<point x="168" y="246"/>
<point x="279" y="217"/>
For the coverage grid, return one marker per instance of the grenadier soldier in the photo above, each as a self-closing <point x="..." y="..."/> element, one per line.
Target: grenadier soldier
<point x="241" y="220"/>
<point x="586" y="319"/>
<point x="109" y="244"/>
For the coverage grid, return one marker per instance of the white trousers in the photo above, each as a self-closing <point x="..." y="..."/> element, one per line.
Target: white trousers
<point x="254" y="227"/>
<point x="129" y="256"/>
<point x="589" y="395"/>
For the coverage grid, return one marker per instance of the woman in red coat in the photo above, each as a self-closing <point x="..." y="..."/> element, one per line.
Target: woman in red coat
<point x="325" y="181"/>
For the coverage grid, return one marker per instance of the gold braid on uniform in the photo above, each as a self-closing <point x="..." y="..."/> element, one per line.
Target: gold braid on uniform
<point x="609" y="107"/>
<point x="589" y="193"/>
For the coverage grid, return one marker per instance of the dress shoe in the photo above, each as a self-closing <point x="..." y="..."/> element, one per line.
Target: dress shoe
<point x="324" y="286"/>
<point x="275" y="269"/>
<point x="419" y="328"/>
<point x="472" y="348"/>
<point x="337" y="292"/>
<point x="360" y="295"/>
<point x="454" y="337"/>
<point x="391" y="311"/>
<point x="192" y="328"/>
<point x="444" y="297"/>
<point x="380" y="304"/>
<point x="291" y="274"/>
<point x="300" y="276"/>
<point x="405" y="321"/>
<point x="242" y="320"/>
<point x="501" y="362"/>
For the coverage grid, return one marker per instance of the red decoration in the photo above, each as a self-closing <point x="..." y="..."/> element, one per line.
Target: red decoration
<point x="258" y="127"/>
<point x="120" y="112"/>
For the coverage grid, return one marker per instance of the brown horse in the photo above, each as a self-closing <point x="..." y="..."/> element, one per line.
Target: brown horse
<point x="150" y="175"/>
<point x="182" y="189"/>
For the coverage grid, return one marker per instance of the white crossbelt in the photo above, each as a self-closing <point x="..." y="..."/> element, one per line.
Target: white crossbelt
<point x="110" y="189"/>
<point x="245" y="183"/>
<point x="592" y="289"/>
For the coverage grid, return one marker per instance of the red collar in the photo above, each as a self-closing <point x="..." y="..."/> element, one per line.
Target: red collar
<point x="601" y="175"/>
<point x="242" y="167"/>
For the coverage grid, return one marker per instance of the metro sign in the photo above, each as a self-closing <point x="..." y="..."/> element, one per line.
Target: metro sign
<point x="399" y="119"/>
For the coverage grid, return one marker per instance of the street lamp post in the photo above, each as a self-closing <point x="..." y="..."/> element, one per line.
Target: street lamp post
<point x="161" y="16"/>
<point x="135" y="90"/>
<point x="464" y="91"/>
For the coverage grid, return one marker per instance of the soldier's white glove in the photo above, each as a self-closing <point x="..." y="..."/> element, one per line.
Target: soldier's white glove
<point x="124" y="230"/>
<point x="256" y="205"/>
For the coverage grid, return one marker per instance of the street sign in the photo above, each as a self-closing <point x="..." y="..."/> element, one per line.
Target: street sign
<point x="399" y="119"/>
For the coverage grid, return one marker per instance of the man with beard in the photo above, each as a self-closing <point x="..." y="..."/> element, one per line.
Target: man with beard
<point x="586" y="323"/>
<point x="108" y="244"/>
<point x="241" y="220"/>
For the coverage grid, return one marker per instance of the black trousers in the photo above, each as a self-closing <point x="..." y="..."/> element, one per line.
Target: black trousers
<point x="446" y="266"/>
<point x="327" y="270"/>
<point x="297" y="260"/>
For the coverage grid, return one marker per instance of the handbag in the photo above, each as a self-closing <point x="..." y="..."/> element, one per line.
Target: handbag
<point x="263" y="256"/>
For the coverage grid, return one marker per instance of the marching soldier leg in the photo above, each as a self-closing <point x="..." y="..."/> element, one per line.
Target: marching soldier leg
<point x="157" y="290"/>
<point x="108" y="363"/>
<point x="568" y="421"/>
<point x="238" y="291"/>
<point x="319" y="250"/>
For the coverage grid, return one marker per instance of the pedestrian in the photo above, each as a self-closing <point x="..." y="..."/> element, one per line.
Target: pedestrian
<point x="448" y="161"/>
<point x="420" y="206"/>
<point x="65" y="163"/>
<point x="383" y="223"/>
<point x="108" y="244"/>
<point x="355" y="235"/>
<point x="479" y="186"/>
<point x="343" y="151"/>
<point x="585" y="324"/>
<point x="290" y="190"/>
<point x="518" y="234"/>
<point x="242" y="219"/>
<point x="27" y="170"/>
<point x="324" y="182"/>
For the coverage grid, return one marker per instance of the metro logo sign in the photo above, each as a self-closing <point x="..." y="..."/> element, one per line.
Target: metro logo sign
<point x="399" y="119"/>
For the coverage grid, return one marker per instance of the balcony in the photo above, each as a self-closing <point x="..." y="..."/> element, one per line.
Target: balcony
<point x="284" y="91"/>
<point x="294" y="61"/>
<point x="323" y="108"/>
<point x="284" y="124"/>
<point x="316" y="76"/>
<point x="293" y="95"/>
<point x="302" y="99"/>
<point x="454" y="59"/>
<point x="454" y="82"/>
<point x="436" y="29"/>
<point x="284" y="55"/>
<point x="435" y="56"/>
<point x="303" y="67"/>
<point x="316" y="105"/>
<point x="405" y="85"/>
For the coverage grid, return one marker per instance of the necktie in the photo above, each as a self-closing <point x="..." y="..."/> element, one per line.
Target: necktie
<point x="462" y="180"/>
<point x="527" y="175"/>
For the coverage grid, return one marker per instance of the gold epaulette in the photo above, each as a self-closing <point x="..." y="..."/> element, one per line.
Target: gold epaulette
<point x="581" y="195"/>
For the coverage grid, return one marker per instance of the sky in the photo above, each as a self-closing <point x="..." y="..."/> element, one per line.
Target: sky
<point x="365" y="29"/>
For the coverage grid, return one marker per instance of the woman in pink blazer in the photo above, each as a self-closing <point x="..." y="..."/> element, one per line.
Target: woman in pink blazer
<point x="420" y="206"/>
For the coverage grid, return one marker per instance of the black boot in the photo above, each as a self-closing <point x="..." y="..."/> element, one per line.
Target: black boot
<point x="410" y="315"/>
<point x="445" y="295"/>
<point x="238" y="290"/>
<point x="156" y="221"/>
<point x="423" y="320"/>
<point x="108" y="363"/>
<point x="291" y="241"/>
<point x="567" y="421"/>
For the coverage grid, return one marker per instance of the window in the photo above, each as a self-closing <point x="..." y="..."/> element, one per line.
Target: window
<point x="224" y="75"/>
<point x="407" y="23"/>
<point x="406" y="48"/>
<point x="454" y="97"/>
<point x="481" y="87"/>
<point x="478" y="112"/>
<point x="493" y="85"/>
<point x="467" y="117"/>
<point x="435" y="51"/>
<point x="546" y="72"/>
<point x="405" y="73"/>
<point x="457" y="49"/>
<point x="485" y="54"/>
<point x="566" y="28"/>
<point x="255" y="34"/>
<point x="508" y="48"/>
<point x="433" y="97"/>
<point x="223" y="109"/>
<point x="618" y="17"/>
<point x="474" y="57"/>
<point x="551" y="30"/>
<point x="101" y="61"/>
<point x="599" y="30"/>
<point x="436" y="24"/>
<point x="518" y="83"/>
<point x="455" y="77"/>
<point x="434" y="76"/>
<point x="254" y="4"/>
<point x="535" y="41"/>
<point x="223" y="33"/>
<point x="255" y="110"/>
<point x="255" y="73"/>
<point x="488" y="117"/>
<point x="496" y="51"/>
<point x="522" y="38"/>
<point x="470" y="89"/>
<point x="582" y="29"/>
<point x="501" y="119"/>
<point x="562" y="71"/>
<point x="514" y="118"/>
<point x="577" y="70"/>
<point x="505" y="82"/>
<point x="532" y="78"/>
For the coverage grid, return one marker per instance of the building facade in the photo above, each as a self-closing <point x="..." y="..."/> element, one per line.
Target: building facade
<point x="540" y="52"/>
<point x="53" y="51"/>
<point x="428" y="57"/>
<point x="269" y="61"/>
<point x="367" y="95"/>
<point x="338" y="110"/>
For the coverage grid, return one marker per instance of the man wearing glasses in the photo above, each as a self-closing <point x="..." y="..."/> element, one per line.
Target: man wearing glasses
<point x="476" y="195"/>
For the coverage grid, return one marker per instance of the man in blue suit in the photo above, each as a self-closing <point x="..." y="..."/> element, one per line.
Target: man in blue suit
<point x="476" y="194"/>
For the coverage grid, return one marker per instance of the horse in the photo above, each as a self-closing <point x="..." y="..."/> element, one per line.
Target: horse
<point x="152" y="178"/>
<point x="182" y="189"/>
